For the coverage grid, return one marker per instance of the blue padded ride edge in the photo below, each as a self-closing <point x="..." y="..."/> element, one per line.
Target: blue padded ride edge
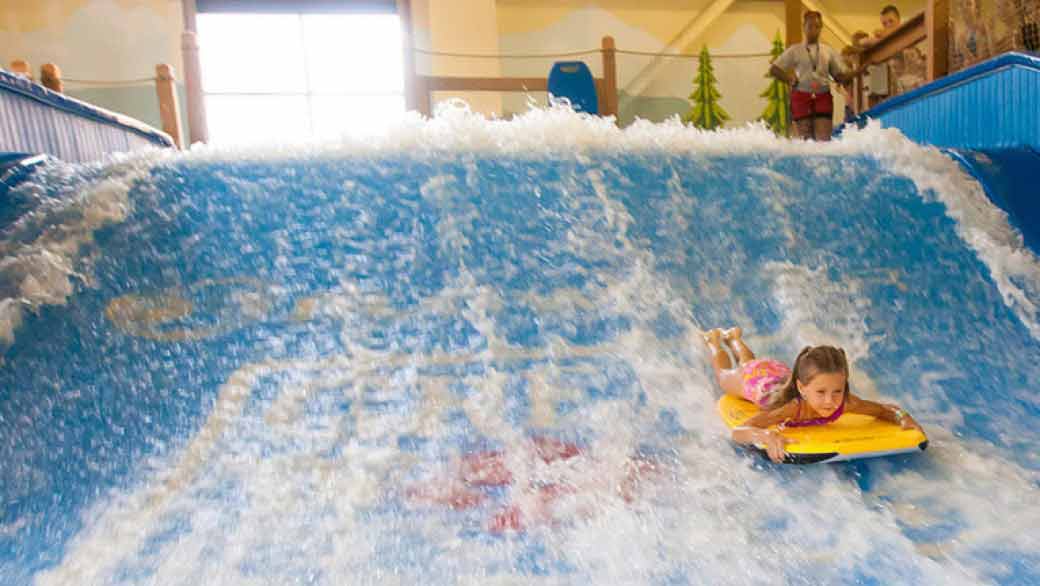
<point x="24" y="87"/>
<point x="1005" y="60"/>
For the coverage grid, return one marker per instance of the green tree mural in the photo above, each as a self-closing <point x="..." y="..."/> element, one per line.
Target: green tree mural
<point x="776" y="114"/>
<point x="706" y="112"/>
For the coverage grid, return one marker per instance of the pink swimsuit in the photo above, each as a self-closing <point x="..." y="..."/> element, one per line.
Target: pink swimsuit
<point x="817" y="421"/>
<point x="762" y="378"/>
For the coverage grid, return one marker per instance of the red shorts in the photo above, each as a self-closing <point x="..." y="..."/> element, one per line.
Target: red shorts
<point x="808" y="105"/>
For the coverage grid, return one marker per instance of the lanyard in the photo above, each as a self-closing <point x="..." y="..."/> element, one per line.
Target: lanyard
<point x="815" y="62"/>
<point x="815" y="65"/>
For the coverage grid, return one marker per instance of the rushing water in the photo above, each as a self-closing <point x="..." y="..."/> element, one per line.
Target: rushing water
<point x="467" y="352"/>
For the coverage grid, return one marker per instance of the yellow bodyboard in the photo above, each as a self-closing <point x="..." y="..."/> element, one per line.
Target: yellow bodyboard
<point x="851" y="437"/>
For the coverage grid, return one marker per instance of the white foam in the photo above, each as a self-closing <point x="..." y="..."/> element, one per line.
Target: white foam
<point x="558" y="131"/>
<point x="979" y="222"/>
<point x="41" y="251"/>
<point x="709" y="506"/>
<point x="11" y="311"/>
<point x="970" y="486"/>
<point x="553" y="132"/>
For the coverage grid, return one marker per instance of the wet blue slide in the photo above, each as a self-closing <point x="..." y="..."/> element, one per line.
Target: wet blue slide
<point x="425" y="363"/>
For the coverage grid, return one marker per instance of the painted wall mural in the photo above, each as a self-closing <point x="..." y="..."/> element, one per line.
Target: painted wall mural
<point x="980" y="29"/>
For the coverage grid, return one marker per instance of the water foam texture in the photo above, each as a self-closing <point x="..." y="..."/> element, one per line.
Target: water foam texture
<point x="42" y="268"/>
<point x="41" y="250"/>
<point x="558" y="130"/>
<point x="464" y="287"/>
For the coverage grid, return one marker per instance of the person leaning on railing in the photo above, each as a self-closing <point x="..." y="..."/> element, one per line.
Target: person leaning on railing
<point x="22" y="68"/>
<point x="850" y="55"/>
<point x="906" y="71"/>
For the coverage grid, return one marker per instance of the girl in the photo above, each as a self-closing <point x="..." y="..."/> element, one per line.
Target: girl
<point x="816" y="392"/>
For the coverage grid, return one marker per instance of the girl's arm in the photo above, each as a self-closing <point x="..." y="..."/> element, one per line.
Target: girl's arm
<point x="773" y="441"/>
<point x="754" y="431"/>
<point x="890" y="413"/>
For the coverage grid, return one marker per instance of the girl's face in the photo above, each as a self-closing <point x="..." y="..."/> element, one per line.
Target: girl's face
<point x="824" y="392"/>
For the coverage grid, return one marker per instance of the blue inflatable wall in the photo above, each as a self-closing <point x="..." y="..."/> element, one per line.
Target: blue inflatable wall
<point x="34" y="119"/>
<point x="992" y="105"/>
<point x="987" y="117"/>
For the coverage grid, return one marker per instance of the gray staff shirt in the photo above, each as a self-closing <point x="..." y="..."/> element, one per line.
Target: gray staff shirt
<point x="814" y="64"/>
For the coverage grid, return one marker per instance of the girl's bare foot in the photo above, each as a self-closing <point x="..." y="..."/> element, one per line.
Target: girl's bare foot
<point x="731" y="334"/>
<point x="712" y="337"/>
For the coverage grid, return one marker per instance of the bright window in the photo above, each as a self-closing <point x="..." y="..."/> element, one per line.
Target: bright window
<point x="291" y="77"/>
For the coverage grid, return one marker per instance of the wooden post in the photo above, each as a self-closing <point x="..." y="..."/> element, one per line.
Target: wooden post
<point x="937" y="25"/>
<point x="21" y="67"/>
<point x="423" y="97"/>
<point x="50" y="77"/>
<point x="793" y="20"/>
<point x="169" y="108"/>
<point x="198" y="131"/>
<point x="857" y="94"/>
<point x="610" y="90"/>
<point x="412" y="98"/>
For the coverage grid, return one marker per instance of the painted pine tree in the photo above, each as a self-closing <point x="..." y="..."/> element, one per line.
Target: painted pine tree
<point x="776" y="114"/>
<point x="706" y="112"/>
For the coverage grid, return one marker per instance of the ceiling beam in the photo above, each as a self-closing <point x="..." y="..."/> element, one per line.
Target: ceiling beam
<point x="684" y="38"/>
<point x="699" y="24"/>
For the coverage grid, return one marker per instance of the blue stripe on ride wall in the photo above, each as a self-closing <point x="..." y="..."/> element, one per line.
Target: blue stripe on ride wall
<point x="992" y="105"/>
<point x="34" y="119"/>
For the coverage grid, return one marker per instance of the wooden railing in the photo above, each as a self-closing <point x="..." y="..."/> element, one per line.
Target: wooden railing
<point x="165" y="89"/>
<point x="169" y="107"/>
<point x="930" y="27"/>
<point x="420" y="87"/>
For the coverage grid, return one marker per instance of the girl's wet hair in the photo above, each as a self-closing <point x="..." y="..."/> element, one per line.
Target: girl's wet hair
<point x="811" y="361"/>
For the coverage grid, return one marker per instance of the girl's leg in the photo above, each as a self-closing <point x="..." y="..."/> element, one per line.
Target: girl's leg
<point x="719" y="357"/>
<point x="736" y="344"/>
<point x="804" y="128"/>
<point x="822" y="128"/>
<point x="729" y="378"/>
